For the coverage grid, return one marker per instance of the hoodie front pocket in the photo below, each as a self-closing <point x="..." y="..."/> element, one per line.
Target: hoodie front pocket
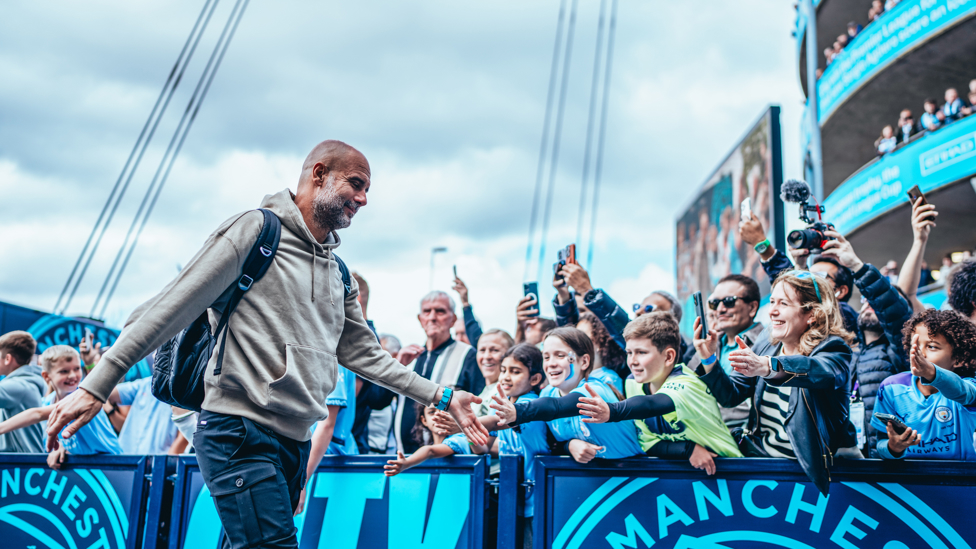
<point x="309" y="378"/>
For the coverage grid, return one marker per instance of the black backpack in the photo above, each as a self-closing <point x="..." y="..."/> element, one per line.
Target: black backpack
<point x="180" y="363"/>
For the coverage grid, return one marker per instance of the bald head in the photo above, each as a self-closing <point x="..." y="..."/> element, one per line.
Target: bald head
<point x="333" y="185"/>
<point x="332" y="154"/>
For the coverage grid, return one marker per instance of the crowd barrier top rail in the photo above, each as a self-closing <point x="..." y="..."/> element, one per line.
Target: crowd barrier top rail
<point x="643" y="502"/>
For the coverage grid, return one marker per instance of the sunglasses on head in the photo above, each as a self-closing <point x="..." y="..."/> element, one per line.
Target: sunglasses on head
<point x="646" y="308"/>
<point x="728" y="301"/>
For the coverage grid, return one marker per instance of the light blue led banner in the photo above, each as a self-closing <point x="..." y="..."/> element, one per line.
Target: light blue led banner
<point x="900" y="30"/>
<point x="931" y="162"/>
<point x="752" y="503"/>
<point x="351" y="504"/>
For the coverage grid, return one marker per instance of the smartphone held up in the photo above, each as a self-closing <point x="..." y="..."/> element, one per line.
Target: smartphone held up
<point x="700" y="312"/>
<point x="531" y="289"/>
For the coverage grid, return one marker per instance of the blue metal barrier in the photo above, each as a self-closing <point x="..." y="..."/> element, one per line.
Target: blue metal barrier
<point x="125" y="501"/>
<point x="93" y="501"/>
<point x="350" y="504"/>
<point x="638" y="503"/>
<point x="511" y="501"/>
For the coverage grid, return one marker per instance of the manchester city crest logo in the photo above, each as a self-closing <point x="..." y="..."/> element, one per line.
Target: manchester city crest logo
<point x="943" y="414"/>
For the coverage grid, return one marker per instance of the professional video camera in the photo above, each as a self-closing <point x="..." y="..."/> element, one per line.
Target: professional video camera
<point x="813" y="237"/>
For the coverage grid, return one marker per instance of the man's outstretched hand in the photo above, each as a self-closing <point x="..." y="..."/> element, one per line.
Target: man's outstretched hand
<point x="460" y="410"/>
<point x="78" y="408"/>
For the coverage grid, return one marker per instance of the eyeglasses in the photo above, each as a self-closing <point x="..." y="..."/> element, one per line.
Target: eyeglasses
<point x="646" y="308"/>
<point x="728" y="301"/>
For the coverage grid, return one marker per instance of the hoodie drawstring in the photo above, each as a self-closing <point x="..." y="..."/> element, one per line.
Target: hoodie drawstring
<point x="328" y="255"/>
<point x="314" y="255"/>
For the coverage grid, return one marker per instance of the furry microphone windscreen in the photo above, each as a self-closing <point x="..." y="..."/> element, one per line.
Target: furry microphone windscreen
<point x="795" y="191"/>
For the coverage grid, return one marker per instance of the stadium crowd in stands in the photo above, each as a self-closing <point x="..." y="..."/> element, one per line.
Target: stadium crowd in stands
<point x="933" y="118"/>
<point x="598" y="383"/>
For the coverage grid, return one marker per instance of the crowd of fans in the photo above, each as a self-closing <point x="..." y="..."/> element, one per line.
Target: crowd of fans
<point x="890" y="380"/>
<point x="933" y="118"/>
<point x="854" y="28"/>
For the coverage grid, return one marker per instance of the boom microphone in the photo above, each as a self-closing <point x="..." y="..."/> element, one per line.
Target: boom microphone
<point x="795" y="191"/>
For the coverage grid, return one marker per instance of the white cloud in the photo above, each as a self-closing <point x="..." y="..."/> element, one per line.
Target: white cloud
<point x="627" y="291"/>
<point x="445" y="99"/>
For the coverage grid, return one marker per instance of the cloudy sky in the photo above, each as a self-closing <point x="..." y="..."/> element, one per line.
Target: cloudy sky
<point x="446" y="99"/>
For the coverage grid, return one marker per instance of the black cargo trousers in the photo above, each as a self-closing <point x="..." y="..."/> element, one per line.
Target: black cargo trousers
<point x="255" y="477"/>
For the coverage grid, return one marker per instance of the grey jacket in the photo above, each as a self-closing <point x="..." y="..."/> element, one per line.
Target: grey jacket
<point x="22" y="390"/>
<point x="286" y="338"/>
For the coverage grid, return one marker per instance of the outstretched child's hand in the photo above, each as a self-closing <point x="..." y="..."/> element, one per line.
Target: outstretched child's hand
<point x="395" y="466"/>
<point x="444" y="424"/>
<point x="594" y="408"/>
<point x="701" y="458"/>
<point x="503" y="408"/>
<point x="582" y="451"/>
<point x="921" y="366"/>
<point x="56" y="458"/>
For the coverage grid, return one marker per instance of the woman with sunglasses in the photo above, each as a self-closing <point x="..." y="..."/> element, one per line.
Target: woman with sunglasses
<point x="734" y="304"/>
<point x="797" y="376"/>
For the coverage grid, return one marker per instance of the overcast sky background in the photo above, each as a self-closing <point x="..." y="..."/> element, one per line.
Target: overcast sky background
<point x="446" y="99"/>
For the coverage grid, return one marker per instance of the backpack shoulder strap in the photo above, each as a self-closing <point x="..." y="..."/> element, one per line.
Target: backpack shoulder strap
<point x="262" y="252"/>
<point x="346" y="277"/>
<point x="255" y="265"/>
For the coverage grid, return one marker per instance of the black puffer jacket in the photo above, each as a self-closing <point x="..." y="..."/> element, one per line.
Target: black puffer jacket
<point x="884" y="357"/>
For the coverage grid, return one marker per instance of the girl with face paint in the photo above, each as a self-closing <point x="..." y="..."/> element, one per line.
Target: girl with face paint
<point x="567" y="360"/>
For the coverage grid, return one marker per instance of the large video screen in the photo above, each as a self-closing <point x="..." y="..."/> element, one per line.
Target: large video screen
<point x="707" y="232"/>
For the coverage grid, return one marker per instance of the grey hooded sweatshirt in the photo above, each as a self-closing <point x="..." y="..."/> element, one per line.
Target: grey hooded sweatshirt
<point x="21" y="390"/>
<point x="286" y="338"/>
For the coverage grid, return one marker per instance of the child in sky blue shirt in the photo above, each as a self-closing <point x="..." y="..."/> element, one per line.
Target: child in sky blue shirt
<point x="61" y="368"/>
<point x="520" y="378"/>
<point x="937" y="399"/>
<point x="567" y="359"/>
<point x="333" y="435"/>
<point x="440" y="446"/>
<point x="149" y="427"/>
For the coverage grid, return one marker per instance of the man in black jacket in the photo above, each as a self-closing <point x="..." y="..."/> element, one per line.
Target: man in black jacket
<point x="879" y="353"/>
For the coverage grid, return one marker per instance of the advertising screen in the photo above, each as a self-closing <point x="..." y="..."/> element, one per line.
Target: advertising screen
<point x="708" y="243"/>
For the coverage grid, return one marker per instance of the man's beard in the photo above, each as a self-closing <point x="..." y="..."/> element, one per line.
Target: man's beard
<point x="869" y="323"/>
<point x="328" y="209"/>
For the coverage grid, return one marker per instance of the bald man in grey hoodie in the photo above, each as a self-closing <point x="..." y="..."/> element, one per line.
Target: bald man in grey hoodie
<point x="285" y="340"/>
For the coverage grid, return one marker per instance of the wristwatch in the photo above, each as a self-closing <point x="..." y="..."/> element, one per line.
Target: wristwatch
<point x="446" y="397"/>
<point x="762" y="246"/>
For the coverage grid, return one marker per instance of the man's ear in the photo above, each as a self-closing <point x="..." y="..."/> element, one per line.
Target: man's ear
<point x="320" y="172"/>
<point x="670" y="356"/>
<point x="753" y="309"/>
